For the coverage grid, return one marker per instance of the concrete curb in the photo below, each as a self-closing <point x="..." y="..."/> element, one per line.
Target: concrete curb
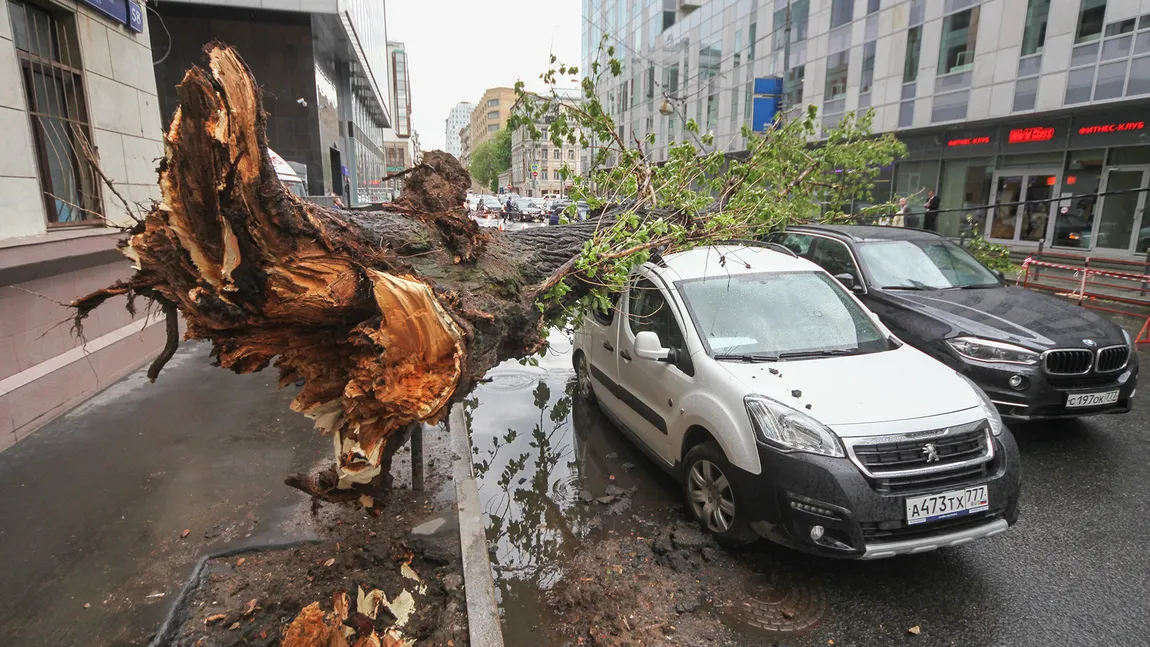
<point x="483" y="621"/>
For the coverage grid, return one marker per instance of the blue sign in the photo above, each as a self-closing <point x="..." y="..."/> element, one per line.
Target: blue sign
<point x="769" y="85"/>
<point x="765" y="106"/>
<point x="114" y="9"/>
<point x="135" y="17"/>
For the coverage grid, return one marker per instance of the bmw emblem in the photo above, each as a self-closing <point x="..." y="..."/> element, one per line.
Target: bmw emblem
<point x="1090" y="342"/>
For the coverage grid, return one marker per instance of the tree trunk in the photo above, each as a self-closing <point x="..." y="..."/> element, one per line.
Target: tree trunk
<point x="386" y="316"/>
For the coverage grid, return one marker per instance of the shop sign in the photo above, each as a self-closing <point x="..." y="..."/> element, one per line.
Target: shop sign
<point x="1112" y="128"/>
<point x="1029" y="135"/>
<point x="968" y="141"/>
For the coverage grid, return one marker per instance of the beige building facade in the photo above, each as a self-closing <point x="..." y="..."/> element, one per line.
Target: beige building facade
<point x="490" y="115"/>
<point x="77" y="91"/>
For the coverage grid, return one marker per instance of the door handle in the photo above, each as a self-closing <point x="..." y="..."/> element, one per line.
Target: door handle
<point x="625" y="355"/>
<point x="608" y="346"/>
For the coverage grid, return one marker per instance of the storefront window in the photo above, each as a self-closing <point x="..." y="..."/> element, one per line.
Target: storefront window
<point x="912" y="181"/>
<point x="1127" y="155"/>
<point x="965" y="186"/>
<point x="1074" y="220"/>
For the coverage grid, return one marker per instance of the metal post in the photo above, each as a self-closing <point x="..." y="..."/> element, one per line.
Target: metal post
<point x="1145" y="271"/>
<point x="417" y="459"/>
<point x="1082" y="284"/>
<point x="786" y="61"/>
<point x="1038" y="257"/>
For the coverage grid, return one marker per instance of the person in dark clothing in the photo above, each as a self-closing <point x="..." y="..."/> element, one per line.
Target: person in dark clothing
<point x="507" y="210"/>
<point x="931" y="219"/>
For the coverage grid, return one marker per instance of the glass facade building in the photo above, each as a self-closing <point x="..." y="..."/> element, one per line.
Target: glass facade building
<point x="999" y="101"/>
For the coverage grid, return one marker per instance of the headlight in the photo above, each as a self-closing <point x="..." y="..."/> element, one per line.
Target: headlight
<point x="985" y="350"/>
<point x="787" y="428"/>
<point x="988" y="408"/>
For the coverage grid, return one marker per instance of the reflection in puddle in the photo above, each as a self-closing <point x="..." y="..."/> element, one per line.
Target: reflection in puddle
<point x="542" y="459"/>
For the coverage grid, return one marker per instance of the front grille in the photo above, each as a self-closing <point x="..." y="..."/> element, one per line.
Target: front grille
<point x="877" y="533"/>
<point x="1083" y="381"/>
<point x="1071" y="361"/>
<point x="910" y="454"/>
<point x="919" y="483"/>
<point x="1112" y="358"/>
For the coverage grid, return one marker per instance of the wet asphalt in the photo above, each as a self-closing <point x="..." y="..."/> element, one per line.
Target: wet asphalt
<point x="93" y="506"/>
<point x="1075" y="570"/>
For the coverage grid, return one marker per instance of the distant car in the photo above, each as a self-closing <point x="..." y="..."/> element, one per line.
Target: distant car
<point x="489" y="207"/>
<point x="788" y="411"/>
<point x="1036" y="355"/>
<point x="526" y="210"/>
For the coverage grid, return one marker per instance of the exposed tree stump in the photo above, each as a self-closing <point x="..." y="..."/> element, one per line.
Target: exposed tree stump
<point x="386" y="315"/>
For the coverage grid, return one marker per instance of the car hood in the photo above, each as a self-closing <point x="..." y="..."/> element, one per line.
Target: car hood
<point x="857" y="390"/>
<point x="1011" y="314"/>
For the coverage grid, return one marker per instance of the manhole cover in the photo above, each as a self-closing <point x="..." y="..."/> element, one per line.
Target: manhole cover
<point x="773" y="604"/>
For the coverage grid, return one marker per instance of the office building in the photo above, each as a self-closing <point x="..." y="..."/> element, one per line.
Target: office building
<point x="998" y="101"/>
<point x="490" y="114"/>
<point x="460" y="116"/>
<point x="76" y="92"/>
<point x="536" y="166"/>
<point x="323" y="64"/>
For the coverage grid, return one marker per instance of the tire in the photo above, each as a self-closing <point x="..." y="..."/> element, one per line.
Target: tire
<point x="711" y="495"/>
<point x="584" y="388"/>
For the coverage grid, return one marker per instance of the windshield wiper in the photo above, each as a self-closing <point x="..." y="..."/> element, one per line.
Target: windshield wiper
<point x="747" y="357"/>
<point x="977" y="286"/>
<point x="914" y="285"/>
<point x="820" y="353"/>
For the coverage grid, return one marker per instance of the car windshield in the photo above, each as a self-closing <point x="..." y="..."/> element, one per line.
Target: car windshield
<point x="933" y="264"/>
<point x="522" y="204"/>
<point x="778" y="316"/>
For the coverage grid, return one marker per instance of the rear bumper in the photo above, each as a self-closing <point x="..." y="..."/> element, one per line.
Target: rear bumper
<point x="797" y="491"/>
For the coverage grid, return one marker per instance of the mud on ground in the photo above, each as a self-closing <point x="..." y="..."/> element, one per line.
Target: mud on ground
<point x="249" y="599"/>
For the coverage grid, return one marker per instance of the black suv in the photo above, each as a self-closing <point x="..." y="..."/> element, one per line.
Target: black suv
<point x="1035" y="355"/>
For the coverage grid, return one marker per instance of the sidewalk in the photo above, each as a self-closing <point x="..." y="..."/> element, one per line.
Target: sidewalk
<point x="95" y="503"/>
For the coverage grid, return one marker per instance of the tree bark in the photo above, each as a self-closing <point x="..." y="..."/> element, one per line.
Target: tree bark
<point x="386" y="315"/>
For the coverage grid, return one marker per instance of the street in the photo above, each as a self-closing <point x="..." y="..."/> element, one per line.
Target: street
<point x="1073" y="571"/>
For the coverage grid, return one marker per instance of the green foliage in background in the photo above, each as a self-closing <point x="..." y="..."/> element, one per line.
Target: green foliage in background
<point x="995" y="257"/>
<point x="491" y="158"/>
<point x="699" y="195"/>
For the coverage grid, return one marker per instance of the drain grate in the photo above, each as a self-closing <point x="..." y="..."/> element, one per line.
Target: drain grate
<point x="774" y="604"/>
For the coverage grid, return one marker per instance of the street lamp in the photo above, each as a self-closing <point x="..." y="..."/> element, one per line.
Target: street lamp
<point x="666" y="109"/>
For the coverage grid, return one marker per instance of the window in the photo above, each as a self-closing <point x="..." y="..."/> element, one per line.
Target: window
<point x="867" y="81"/>
<point x="49" y="57"/>
<point x="648" y="310"/>
<point x="800" y="10"/>
<point x="959" y="31"/>
<point x="738" y="46"/>
<point x="492" y="128"/>
<point x="793" y="85"/>
<point x="543" y="154"/>
<point x="872" y="6"/>
<point x="571" y="154"/>
<point x="492" y="114"/>
<point x="1120" y="27"/>
<point x="1034" y="33"/>
<point x="751" y="43"/>
<point x="735" y="104"/>
<point x="800" y="244"/>
<point x="712" y="112"/>
<point x="1025" y="94"/>
<point x="1078" y="85"/>
<point x="842" y="12"/>
<point x="1091" y="16"/>
<point x="913" y="52"/>
<point x="491" y="103"/>
<point x="836" y="85"/>
<point x="543" y="174"/>
<point x="834" y="257"/>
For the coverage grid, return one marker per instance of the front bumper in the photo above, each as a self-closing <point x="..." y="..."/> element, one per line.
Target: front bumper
<point x="1044" y="396"/>
<point x="796" y="491"/>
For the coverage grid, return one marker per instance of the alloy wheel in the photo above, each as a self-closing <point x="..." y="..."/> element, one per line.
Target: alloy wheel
<point x="583" y="377"/>
<point x="711" y="497"/>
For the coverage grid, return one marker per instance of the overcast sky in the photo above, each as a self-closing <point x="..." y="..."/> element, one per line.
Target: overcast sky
<point x="458" y="48"/>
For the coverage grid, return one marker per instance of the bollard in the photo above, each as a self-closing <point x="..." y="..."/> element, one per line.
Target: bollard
<point x="1145" y="271"/>
<point x="417" y="459"/>
<point x="1038" y="257"/>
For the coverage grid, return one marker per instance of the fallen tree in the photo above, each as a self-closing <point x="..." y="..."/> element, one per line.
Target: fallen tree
<point x="388" y="315"/>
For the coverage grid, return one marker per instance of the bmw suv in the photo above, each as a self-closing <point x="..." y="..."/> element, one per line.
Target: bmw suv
<point x="788" y="411"/>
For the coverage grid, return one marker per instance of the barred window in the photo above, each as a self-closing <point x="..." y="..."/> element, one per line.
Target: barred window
<point x="49" y="57"/>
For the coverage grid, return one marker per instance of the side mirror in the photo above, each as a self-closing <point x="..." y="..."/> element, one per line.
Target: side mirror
<point x="848" y="281"/>
<point x="648" y="346"/>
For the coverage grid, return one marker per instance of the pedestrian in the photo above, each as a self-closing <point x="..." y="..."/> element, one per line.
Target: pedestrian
<point x="899" y="219"/>
<point x="507" y="211"/>
<point x="930" y="221"/>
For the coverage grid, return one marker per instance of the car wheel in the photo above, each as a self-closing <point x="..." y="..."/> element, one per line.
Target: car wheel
<point x="711" y="495"/>
<point x="583" y="386"/>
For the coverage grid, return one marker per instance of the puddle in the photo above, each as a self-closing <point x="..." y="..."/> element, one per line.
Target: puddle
<point x="551" y="471"/>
